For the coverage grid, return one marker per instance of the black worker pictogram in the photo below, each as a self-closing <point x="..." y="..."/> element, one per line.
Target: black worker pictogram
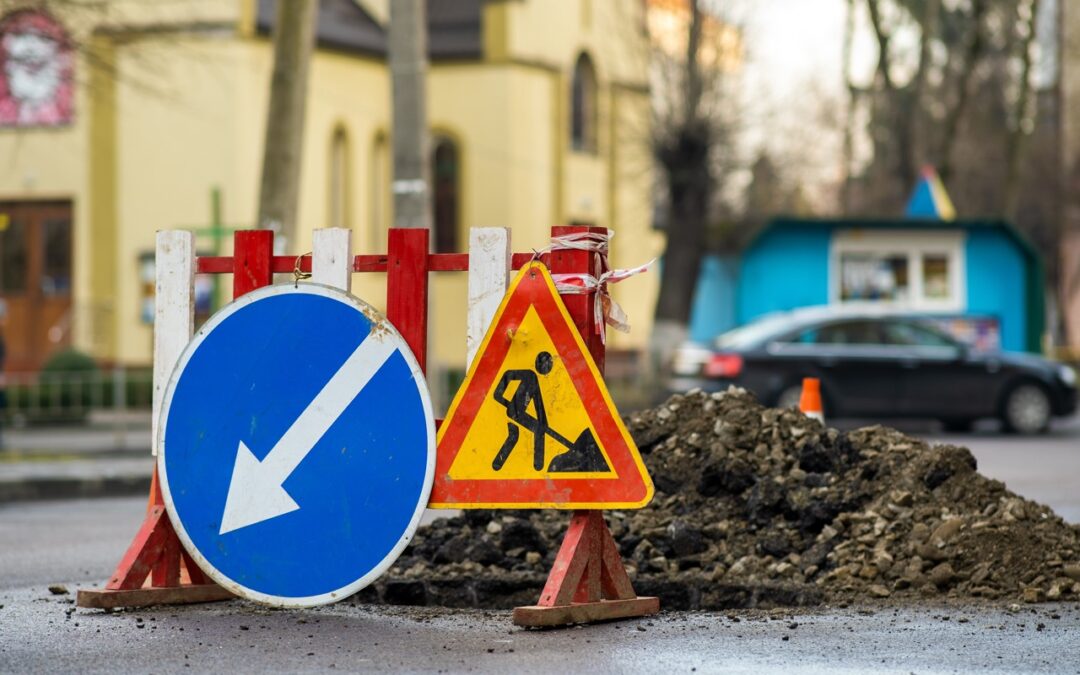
<point x="584" y="453"/>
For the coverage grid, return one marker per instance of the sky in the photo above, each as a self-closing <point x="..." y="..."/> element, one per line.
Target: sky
<point x="793" y="80"/>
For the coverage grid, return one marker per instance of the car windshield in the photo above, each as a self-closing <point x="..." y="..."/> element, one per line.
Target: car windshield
<point x="754" y="332"/>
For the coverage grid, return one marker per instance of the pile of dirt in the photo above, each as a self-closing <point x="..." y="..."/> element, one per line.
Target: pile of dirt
<point x="764" y="507"/>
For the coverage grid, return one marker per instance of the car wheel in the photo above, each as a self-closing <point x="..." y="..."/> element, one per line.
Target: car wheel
<point x="789" y="397"/>
<point x="1026" y="409"/>
<point x="958" y="425"/>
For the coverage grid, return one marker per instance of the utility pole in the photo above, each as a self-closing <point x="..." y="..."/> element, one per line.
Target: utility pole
<point x="279" y="190"/>
<point x="408" y="69"/>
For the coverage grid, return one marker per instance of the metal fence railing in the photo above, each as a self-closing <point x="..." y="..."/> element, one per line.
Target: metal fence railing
<point x="59" y="396"/>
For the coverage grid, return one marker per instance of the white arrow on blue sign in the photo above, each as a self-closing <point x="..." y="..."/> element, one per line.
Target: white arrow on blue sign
<point x="297" y="449"/>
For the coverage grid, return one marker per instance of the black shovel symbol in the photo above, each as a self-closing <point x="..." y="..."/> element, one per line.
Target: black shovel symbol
<point x="584" y="452"/>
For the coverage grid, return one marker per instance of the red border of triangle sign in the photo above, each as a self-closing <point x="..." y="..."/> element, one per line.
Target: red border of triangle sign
<point x="625" y="483"/>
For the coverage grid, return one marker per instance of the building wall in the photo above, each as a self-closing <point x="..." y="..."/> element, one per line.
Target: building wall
<point x="997" y="284"/>
<point x="184" y="113"/>
<point x="784" y="269"/>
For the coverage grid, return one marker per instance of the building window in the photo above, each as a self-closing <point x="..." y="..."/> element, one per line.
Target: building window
<point x="583" y="116"/>
<point x="446" y="179"/>
<point x="911" y="269"/>
<point x="380" y="193"/>
<point x="340" y="176"/>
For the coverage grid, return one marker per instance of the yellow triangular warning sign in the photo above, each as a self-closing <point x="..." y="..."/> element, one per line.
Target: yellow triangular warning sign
<point x="533" y="424"/>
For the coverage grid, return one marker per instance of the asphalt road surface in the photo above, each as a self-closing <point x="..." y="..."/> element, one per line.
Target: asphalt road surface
<point x="77" y="544"/>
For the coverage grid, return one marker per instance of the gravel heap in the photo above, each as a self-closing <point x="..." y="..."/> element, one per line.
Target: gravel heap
<point x="758" y="507"/>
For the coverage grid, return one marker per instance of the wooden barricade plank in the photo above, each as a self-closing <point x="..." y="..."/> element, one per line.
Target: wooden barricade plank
<point x="331" y="262"/>
<point x="489" y="276"/>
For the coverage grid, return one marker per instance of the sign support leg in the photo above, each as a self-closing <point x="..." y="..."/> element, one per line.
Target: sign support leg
<point x="156" y="570"/>
<point x="588" y="581"/>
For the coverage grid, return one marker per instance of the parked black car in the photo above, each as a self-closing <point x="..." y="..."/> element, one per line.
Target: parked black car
<point x="876" y="365"/>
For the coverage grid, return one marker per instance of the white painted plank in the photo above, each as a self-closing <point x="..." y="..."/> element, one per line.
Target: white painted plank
<point x="489" y="276"/>
<point x="331" y="257"/>
<point x="174" y="311"/>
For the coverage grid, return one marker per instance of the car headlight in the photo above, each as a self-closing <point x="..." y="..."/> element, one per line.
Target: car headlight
<point x="1067" y="375"/>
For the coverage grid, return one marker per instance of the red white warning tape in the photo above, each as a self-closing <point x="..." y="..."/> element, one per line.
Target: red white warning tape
<point x="608" y="312"/>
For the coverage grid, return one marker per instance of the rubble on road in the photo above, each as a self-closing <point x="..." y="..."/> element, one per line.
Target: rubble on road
<point x="765" y="507"/>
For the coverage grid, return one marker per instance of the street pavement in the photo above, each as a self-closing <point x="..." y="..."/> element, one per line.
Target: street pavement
<point x="76" y="543"/>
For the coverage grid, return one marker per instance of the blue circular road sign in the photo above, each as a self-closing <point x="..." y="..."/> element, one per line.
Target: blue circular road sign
<point x="297" y="445"/>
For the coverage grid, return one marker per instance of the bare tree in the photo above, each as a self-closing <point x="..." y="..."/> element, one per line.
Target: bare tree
<point x="976" y="51"/>
<point x="693" y="128"/>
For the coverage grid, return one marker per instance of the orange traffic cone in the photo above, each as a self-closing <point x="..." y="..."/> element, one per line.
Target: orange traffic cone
<point x="810" y="401"/>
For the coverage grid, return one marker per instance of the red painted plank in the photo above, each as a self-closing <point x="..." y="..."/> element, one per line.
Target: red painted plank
<point x="279" y="264"/>
<point x="569" y="564"/>
<point x="195" y="575"/>
<point x="143" y="553"/>
<point x="519" y="260"/>
<point x="252" y="257"/>
<point x="221" y="264"/>
<point x="448" y="262"/>
<point x="616" y="583"/>
<point x="369" y="263"/>
<point x="582" y="308"/>
<point x="167" y="570"/>
<point x="407" y="287"/>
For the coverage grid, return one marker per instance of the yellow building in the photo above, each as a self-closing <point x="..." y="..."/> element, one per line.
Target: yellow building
<point x="539" y="110"/>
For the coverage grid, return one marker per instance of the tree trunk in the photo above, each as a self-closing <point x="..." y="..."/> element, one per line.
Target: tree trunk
<point x="684" y="157"/>
<point x="279" y="190"/>
<point x="1018" y="134"/>
<point x="408" y="69"/>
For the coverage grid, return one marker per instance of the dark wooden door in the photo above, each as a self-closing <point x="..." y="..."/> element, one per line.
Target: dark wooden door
<point x="35" y="280"/>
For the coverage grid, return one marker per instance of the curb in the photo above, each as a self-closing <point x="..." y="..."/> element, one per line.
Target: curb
<point x="37" y="489"/>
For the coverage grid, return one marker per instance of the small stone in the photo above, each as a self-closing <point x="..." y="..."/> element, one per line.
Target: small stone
<point x="1033" y="594"/>
<point x="1072" y="571"/>
<point x="902" y="498"/>
<point x="494" y="527"/>
<point x="931" y="553"/>
<point x="58" y="589"/>
<point x="942" y="575"/>
<point x="879" y="591"/>
<point x="946" y="531"/>
<point x="532" y="557"/>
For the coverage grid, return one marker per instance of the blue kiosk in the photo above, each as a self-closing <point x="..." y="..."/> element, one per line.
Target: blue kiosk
<point x="979" y="278"/>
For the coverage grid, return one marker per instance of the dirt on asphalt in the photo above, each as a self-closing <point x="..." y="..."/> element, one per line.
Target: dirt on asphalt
<point x="759" y="507"/>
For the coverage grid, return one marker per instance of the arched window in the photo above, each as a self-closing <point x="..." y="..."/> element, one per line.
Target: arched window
<point x="340" y="179"/>
<point x="379" y="198"/>
<point x="583" y="97"/>
<point x="446" y="180"/>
